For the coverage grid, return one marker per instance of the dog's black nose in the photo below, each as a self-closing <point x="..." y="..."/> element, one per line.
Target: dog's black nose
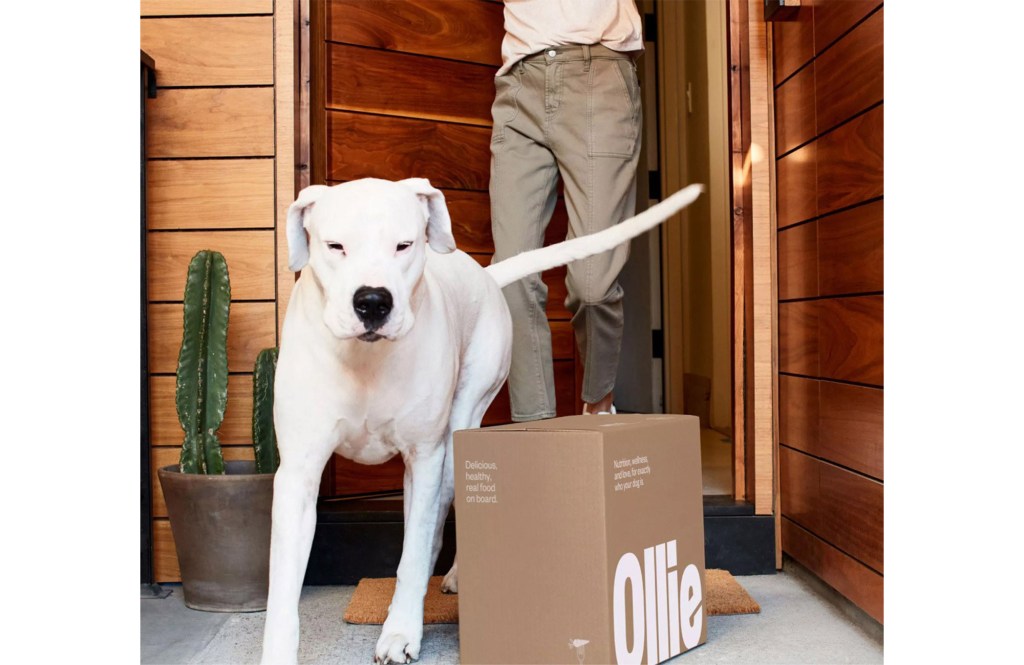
<point x="372" y="305"/>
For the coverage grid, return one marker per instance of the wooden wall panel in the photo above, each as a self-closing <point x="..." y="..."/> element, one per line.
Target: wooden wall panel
<point x="365" y="146"/>
<point x="794" y="111"/>
<point x="236" y="428"/>
<point x="841" y="507"/>
<point x="219" y="141"/>
<point x="831" y="302"/>
<point x="249" y="255"/>
<point x="211" y="122"/>
<point x="389" y="83"/>
<point x="793" y="44"/>
<point x="796" y="175"/>
<point x="798" y="261"/>
<point x="850" y="250"/>
<point x="202" y="7"/>
<point x="850" y="339"/>
<point x="165" y="559"/>
<point x="470" y="31"/>
<point x="211" y="51"/>
<point x="833" y="18"/>
<point x="798" y="337"/>
<point x="863" y="586"/>
<point x="251" y="328"/>
<point x="850" y="163"/>
<point x="834" y="421"/>
<point x="210" y="193"/>
<point x="850" y="76"/>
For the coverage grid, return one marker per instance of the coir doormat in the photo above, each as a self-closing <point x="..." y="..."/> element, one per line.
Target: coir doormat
<point x="369" y="604"/>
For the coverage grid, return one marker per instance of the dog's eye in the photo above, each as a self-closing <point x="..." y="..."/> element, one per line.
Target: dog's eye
<point x="336" y="246"/>
<point x="402" y="246"/>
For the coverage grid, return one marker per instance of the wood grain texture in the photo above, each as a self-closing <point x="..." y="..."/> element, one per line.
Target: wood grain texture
<point x="798" y="261"/>
<point x="211" y="122"/>
<point x="201" y="7"/>
<point x="794" y="111"/>
<point x="793" y="42"/>
<point x="838" y="422"/>
<point x="863" y="586"/>
<point x="566" y="395"/>
<point x="165" y="558"/>
<point x="286" y="129"/>
<point x="251" y="328"/>
<point x="798" y="337"/>
<point x="215" y="193"/>
<point x="466" y="30"/>
<point x="833" y="18"/>
<point x="249" y="255"/>
<point x="850" y="162"/>
<point x="851" y="250"/>
<point x="412" y="86"/>
<point x="763" y="228"/>
<point x="453" y="156"/>
<point x="850" y="75"/>
<point x="851" y="425"/>
<point x="839" y="506"/>
<point x="166" y="456"/>
<point x="211" y="51"/>
<point x="850" y="339"/>
<point x="796" y="174"/>
<point x="236" y="428"/>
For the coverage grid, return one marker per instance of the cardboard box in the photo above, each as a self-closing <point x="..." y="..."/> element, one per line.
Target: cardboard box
<point x="580" y="540"/>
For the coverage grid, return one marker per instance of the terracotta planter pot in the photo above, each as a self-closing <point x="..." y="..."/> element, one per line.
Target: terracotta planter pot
<point x="221" y="527"/>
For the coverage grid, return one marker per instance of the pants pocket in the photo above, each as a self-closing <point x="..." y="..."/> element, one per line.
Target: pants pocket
<point x="614" y="108"/>
<point x="505" y="107"/>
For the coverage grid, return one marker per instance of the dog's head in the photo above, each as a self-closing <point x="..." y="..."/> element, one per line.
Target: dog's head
<point x="367" y="246"/>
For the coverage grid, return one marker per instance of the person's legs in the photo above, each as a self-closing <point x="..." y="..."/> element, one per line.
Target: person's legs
<point x="522" y="189"/>
<point x="597" y="145"/>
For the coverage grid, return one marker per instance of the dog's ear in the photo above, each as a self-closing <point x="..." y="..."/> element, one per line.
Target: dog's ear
<point x="439" y="223"/>
<point x="298" y="246"/>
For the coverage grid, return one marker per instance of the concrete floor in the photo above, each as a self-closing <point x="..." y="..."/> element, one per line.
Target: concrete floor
<point x="801" y="621"/>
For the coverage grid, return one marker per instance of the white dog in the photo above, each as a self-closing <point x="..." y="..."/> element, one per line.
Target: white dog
<point x="392" y="341"/>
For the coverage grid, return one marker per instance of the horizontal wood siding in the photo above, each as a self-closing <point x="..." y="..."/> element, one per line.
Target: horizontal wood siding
<point x="211" y="176"/>
<point x="212" y="51"/>
<point x="210" y="193"/>
<point x="828" y="77"/>
<point x="466" y="30"/>
<point x="210" y="122"/>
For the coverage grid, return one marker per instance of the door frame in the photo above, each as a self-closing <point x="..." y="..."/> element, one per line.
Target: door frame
<point x="748" y="107"/>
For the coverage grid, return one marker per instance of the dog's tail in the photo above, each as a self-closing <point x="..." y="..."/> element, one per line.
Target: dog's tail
<point x="537" y="260"/>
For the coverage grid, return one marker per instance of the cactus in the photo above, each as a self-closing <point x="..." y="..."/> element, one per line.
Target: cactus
<point x="202" y="383"/>
<point x="264" y="441"/>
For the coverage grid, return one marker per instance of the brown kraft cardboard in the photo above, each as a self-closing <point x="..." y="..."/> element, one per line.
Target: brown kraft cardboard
<point x="580" y="540"/>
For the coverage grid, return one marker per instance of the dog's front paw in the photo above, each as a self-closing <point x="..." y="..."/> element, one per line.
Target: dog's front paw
<point x="397" y="646"/>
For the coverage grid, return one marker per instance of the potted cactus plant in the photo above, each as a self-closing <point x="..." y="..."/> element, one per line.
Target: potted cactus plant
<point x="219" y="511"/>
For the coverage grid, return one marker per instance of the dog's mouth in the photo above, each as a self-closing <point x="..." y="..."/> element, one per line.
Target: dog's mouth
<point x="370" y="336"/>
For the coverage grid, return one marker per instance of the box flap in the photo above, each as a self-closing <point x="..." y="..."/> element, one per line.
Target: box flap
<point x="600" y="424"/>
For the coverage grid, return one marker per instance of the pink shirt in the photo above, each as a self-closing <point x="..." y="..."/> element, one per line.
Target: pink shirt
<point x="533" y="25"/>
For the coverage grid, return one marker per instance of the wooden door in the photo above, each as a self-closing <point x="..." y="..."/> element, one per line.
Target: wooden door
<point x="400" y="89"/>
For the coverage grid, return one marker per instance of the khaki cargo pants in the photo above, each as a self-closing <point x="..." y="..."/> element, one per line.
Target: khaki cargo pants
<point x="574" y="112"/>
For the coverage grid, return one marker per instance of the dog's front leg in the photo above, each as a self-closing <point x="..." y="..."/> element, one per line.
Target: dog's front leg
<point x="403" y="630"/>
<point x="291" y="537"/>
